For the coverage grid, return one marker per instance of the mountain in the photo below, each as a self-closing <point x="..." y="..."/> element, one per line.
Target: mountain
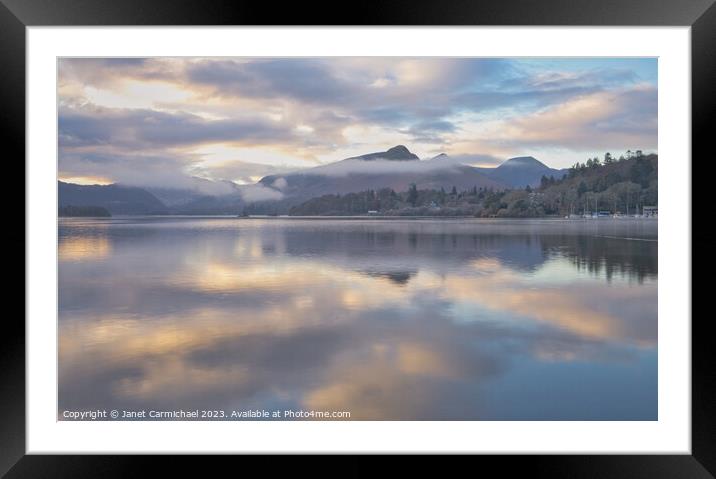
<point x="396" y="168"/>
<point x="522" y="171"/>
<point x="117" y="199"/>
<point x="397" y="153"/>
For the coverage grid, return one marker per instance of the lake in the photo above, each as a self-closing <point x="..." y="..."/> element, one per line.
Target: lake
<point x="383" y="319"/>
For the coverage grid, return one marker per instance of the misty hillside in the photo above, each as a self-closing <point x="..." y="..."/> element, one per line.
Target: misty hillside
<point x="396" y="168"/>
<point x="523" y="171"/>
<point x="197" y="189"/>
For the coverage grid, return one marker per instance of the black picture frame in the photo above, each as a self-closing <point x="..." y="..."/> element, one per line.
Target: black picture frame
<point x="700" y="15"/>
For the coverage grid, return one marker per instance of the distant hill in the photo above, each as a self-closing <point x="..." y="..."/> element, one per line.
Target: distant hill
<point x="83" y="211"/>
<point x="210" y="205"/>
<point x="172" y="197"/>
<point x="396" y="168"/>
<point x="117" y="199"/>
<point x="197" y="190"/>
<point x="523" y="171"/>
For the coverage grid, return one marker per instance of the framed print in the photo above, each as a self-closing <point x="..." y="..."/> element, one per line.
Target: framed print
<point x="433" y="231"/>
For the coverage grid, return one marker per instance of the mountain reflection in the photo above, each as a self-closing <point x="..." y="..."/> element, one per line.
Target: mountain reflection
<point x="416" y="319"/>
<point x="397" y="277"/>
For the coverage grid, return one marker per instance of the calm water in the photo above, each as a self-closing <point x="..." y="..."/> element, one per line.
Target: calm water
<point x="399" y="319"/>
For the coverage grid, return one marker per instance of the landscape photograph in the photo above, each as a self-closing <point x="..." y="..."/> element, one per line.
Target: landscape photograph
<point x="357" y="239"/>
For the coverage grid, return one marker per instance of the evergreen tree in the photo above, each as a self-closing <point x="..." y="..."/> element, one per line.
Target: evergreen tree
<point x="413" y="194"/>
<point x="582" y="188"/>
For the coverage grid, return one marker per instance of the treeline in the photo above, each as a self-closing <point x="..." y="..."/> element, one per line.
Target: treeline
<point x="621" y="185"/>
<point x="93" y="211"/>
<point x="386" y="201"/>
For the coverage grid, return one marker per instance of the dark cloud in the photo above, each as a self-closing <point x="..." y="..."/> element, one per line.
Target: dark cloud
<point x="430" y="131"/>
<point x="141" y="128"/>
<point x="100" y="72"/>
<point x="316" y="82"/>
<point x="306" y="80"/>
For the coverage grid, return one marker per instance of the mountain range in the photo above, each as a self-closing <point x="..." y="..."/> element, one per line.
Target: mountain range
<point x="397" y="168"/>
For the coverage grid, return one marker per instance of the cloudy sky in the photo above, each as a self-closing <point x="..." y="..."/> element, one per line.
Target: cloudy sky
<point x="162" y="121"/>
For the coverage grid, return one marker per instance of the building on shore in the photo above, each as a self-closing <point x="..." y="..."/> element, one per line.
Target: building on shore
<point x="650" y="211"/>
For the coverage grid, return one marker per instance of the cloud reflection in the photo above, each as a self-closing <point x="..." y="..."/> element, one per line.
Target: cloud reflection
<point x="79" y="248"/>
<point x="304" y="316"/>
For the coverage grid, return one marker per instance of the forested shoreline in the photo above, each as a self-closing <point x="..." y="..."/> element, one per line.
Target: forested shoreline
<point x="611" y="185"/>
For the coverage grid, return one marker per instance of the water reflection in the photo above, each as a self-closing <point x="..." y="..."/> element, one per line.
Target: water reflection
<point x="388" y="320"/>
<point x="79" y="248"/>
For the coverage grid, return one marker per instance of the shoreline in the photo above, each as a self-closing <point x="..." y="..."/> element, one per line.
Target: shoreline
<point x="369" y="217"/>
